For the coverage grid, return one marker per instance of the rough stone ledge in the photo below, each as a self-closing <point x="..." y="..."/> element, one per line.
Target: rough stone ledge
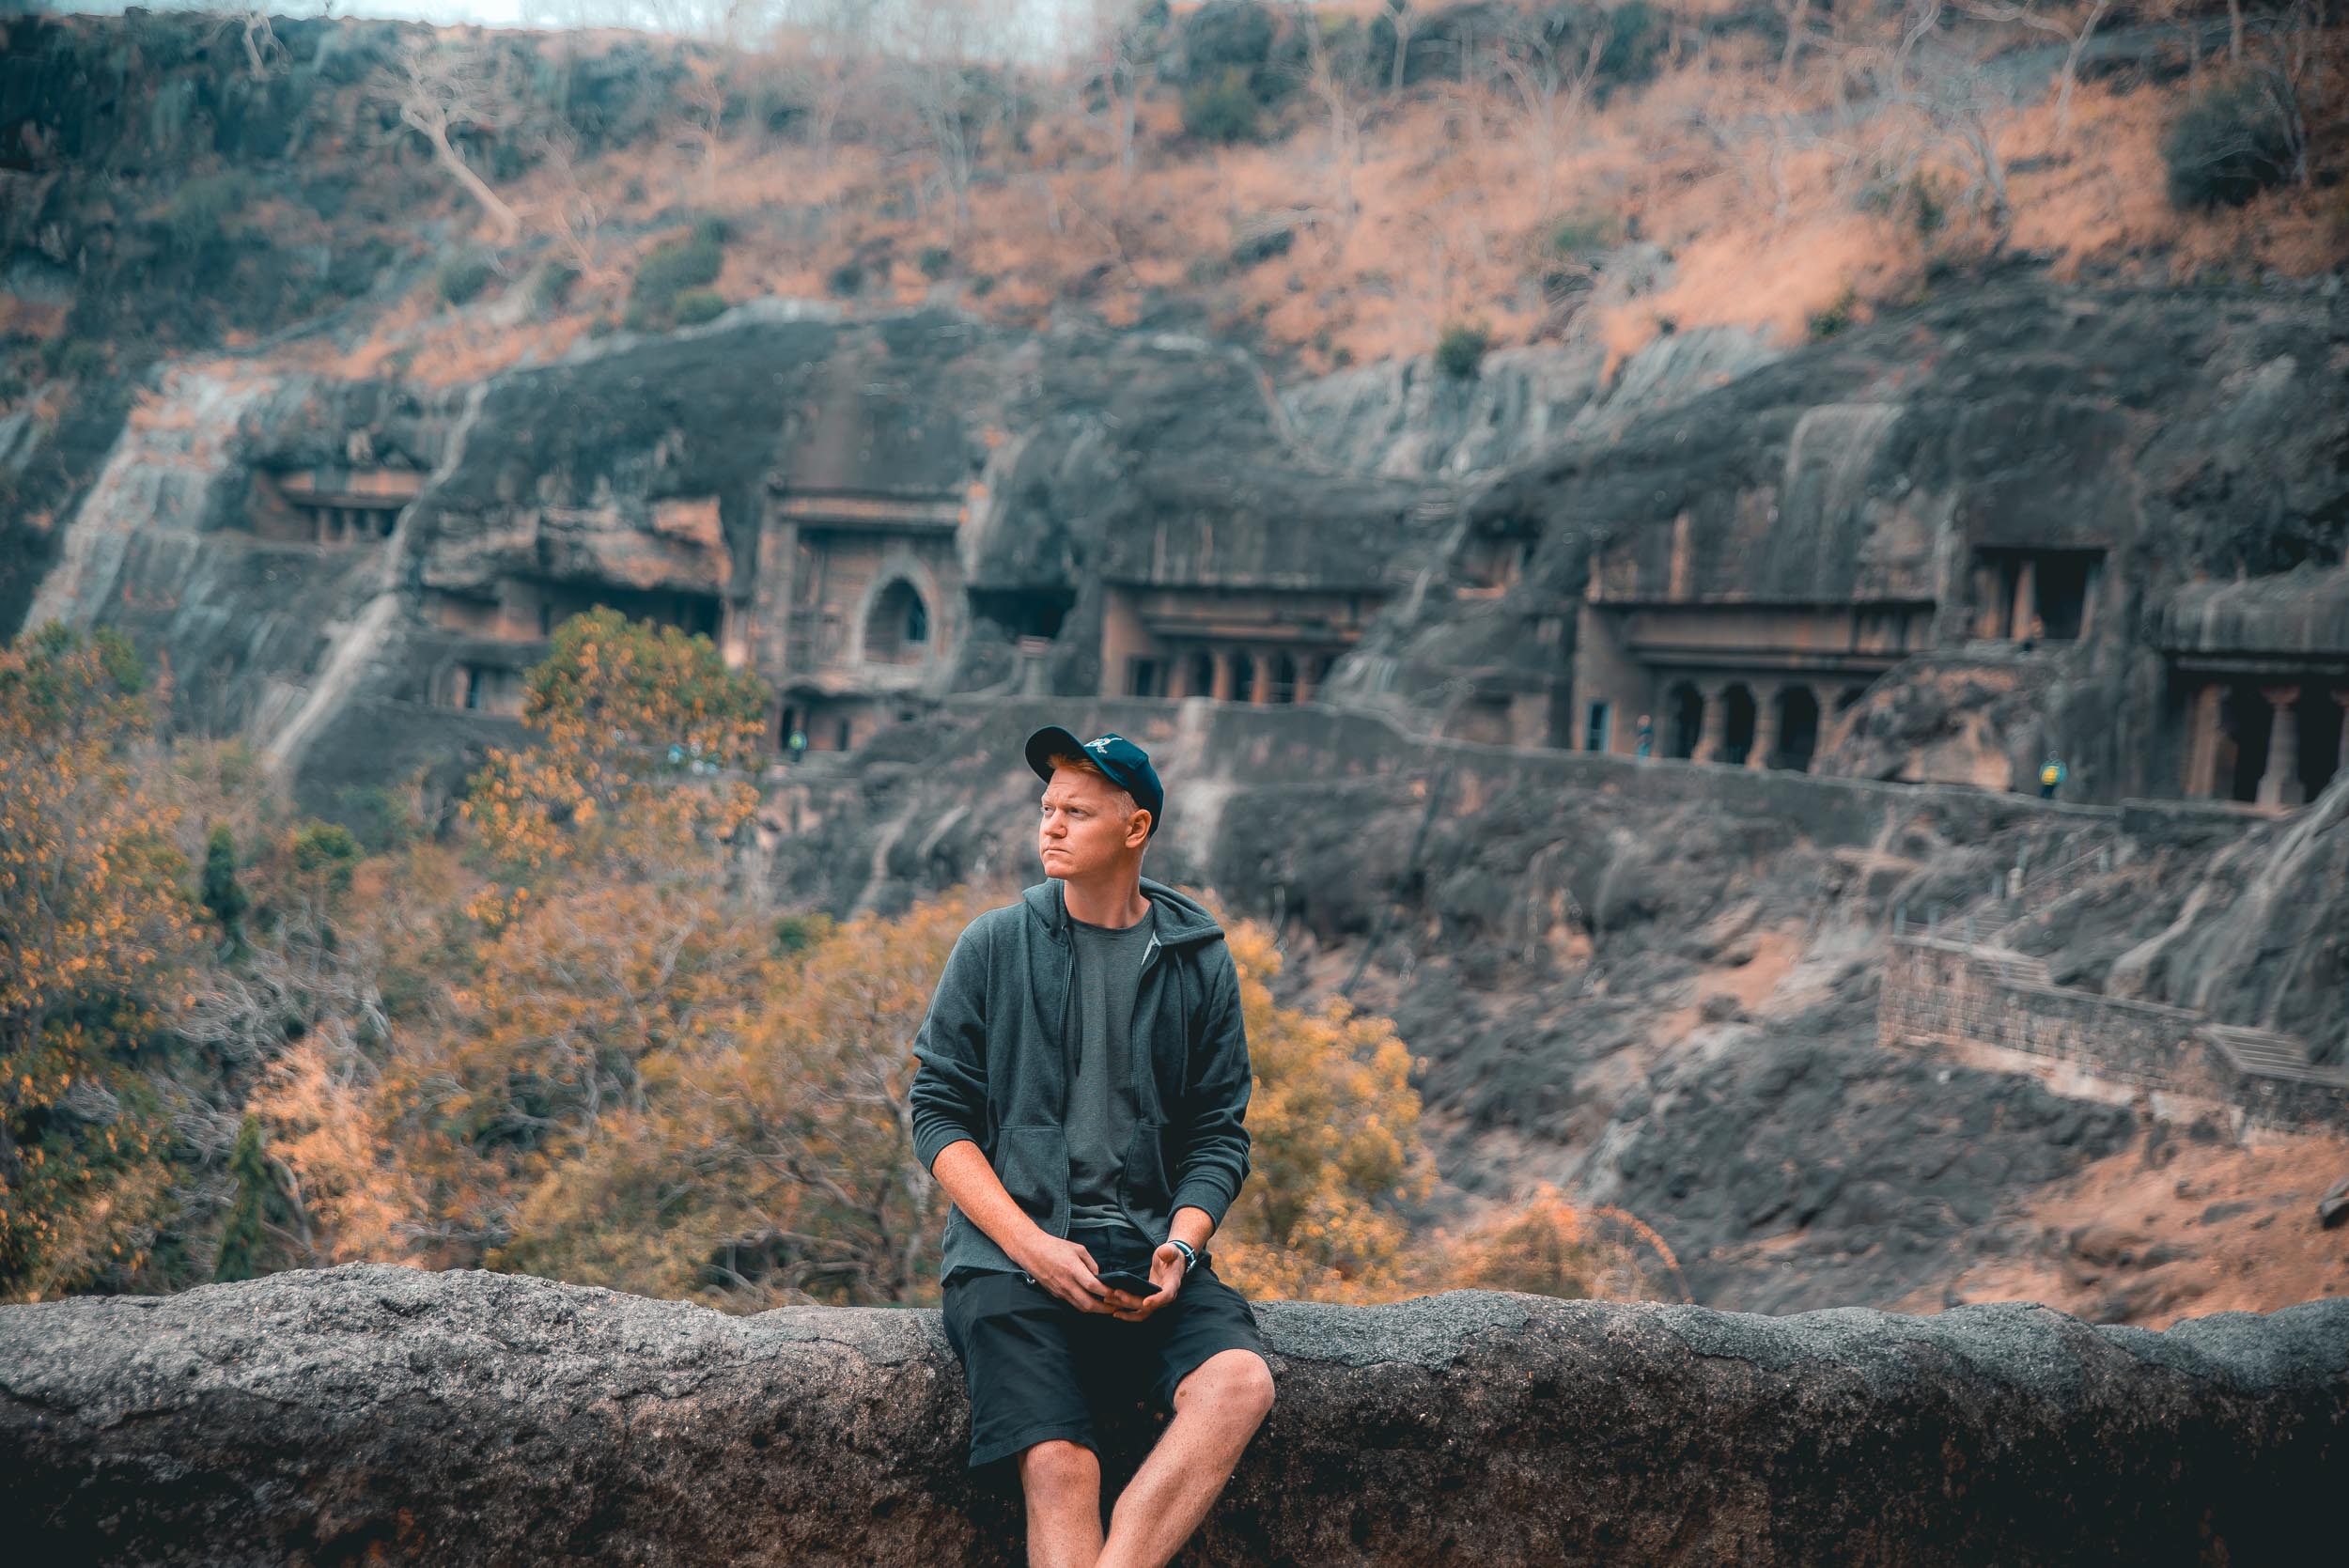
<point x="372" y="1412"/>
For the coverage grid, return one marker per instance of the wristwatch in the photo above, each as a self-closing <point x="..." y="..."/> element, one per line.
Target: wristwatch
<point x="1190" y="1259"/>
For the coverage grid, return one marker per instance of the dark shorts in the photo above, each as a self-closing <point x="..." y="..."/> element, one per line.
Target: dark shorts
<point x="1038" y="1369"/>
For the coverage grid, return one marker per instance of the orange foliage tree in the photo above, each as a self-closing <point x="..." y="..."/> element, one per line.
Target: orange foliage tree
<point x="642" y="735"/>
<point x="777" y="1164"/>
<point x="96" y="929"/>
<point x="1336" y="1154"/>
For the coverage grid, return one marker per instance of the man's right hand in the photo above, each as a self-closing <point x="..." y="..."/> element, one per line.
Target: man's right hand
<point x="1066" y="1269"/>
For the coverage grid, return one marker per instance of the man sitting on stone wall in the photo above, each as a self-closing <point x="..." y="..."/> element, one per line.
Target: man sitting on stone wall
<point x="1060" y="1105"/>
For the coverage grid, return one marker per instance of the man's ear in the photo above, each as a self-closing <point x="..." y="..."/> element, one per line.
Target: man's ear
<point x="1149" y="826"/>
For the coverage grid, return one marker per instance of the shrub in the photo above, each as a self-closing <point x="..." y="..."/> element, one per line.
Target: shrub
<point x="551" y="282"/>
<point x="1223" y="110"/>
<point x="1461" y="349"/>
<point x="76" y="359"/>
<point x="1579" y="234"/>
<point x="936" y="261"/>
<point x="1840" y="312"/>
<point x="462" y="278"/>
<point x="696" y="305"/>
<point x="711" y="229"/>
<point x="671" y="268"/>
<point x="1638" y="34"/>
<point x="2227" y="146"/>
<point x="1224" y="36"/>
<point x="847" y="278"/>
<point x="199" y="207"/>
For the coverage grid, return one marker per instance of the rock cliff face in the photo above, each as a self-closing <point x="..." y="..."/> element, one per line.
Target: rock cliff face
<point x="1880" y="466"/>
<point x="336" y="1416"/>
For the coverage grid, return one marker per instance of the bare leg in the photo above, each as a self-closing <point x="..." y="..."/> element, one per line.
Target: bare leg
<point x="1063" y="1481"/>
<point x="1218" y="1408"/>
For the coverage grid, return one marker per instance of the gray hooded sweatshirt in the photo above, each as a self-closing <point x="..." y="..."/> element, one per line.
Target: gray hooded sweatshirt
<point x="994" y="1067"/>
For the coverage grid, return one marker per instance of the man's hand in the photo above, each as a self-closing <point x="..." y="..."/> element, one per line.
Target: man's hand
<point x="1166" y="1272"/>
<point x="1065" y="1269"/>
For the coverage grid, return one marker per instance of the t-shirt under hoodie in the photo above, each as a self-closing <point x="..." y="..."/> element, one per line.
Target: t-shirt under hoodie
<point x="1100" y="1120"/>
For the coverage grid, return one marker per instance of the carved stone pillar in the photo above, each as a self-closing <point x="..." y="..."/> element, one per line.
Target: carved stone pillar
<point x="1222" y="690"/>
<point x="1260" y="669"/>
<point x="1713" y="727"/>
<point x="2026" y="596"/>
<point x="1765" y="727"/>
<point x="2202" y="742"/>
<point x="2281" y="784"/>
<point x="1305" y="678"/>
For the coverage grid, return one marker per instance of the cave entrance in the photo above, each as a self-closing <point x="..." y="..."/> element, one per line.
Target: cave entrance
<point x="2321" y="719"/>
<point x="1283" y="672"/>
<point x="1798" y="729"/>
<point x="1023" y="611"/>
<point x="1684" y="719"/>
<point x="1243" y="678"/>
<point x="897" y="628"/>
<point x="2242" y="741"/>
<point x="1738" y="732"/>
<point x="1202" y="679"/>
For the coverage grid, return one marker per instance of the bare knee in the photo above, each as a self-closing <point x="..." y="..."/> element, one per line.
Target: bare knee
<point x="1056" y="1467"/>
<point x="1237" y="1381"/>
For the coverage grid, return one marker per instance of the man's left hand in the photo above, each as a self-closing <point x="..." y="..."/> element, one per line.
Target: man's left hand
<point x="1166" y="1272"/>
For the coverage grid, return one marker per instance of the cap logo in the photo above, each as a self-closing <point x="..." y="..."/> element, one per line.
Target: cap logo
<point x="1101" y="744"/>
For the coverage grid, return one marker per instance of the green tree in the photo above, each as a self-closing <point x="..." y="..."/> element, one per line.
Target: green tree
<point x="244" y="1241"/>
<point x="222" y="894"/>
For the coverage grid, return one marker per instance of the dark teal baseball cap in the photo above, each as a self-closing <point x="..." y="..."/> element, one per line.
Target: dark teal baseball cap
<point x="1126" y="765"/>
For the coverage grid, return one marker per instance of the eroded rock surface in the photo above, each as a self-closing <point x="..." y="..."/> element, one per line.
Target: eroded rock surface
<point x="466" y="1416"/>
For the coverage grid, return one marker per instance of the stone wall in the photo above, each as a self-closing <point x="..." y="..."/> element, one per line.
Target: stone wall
<point x="1315" y="742"/>
<point x="1955" y="995"/>
<point x="372" y="1412"/>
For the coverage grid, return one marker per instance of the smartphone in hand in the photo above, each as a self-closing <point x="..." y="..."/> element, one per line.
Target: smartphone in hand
<point x="1128" y="1281"/>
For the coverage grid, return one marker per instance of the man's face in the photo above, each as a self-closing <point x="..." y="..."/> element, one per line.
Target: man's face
<point x="1086" y="824"/>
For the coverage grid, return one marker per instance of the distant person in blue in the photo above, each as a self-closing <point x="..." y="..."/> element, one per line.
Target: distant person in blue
<point x="1647" y="736"/>
<point x="2051" y="774"/>
<point x="1084" y="1076"/>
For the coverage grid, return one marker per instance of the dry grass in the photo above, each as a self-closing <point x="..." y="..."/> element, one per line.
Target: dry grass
<point x="2204" y="1230"/>
<point x="1766" y="219"/>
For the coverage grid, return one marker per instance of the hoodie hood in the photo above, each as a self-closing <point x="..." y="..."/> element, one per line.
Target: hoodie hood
<point x="1181" y="918"/>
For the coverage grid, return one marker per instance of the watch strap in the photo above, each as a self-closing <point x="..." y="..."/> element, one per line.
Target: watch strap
<point x="1191" y="1258"/>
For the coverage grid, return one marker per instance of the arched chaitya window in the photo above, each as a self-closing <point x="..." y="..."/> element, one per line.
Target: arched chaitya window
<point x="897" y="628"/>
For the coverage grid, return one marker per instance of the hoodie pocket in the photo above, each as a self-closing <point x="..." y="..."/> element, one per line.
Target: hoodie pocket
<point x="1032" y="1165"/>
<point x="1146" y="1186"/>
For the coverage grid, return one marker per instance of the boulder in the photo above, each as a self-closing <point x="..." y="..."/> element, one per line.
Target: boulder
<point x="371" y="1410"/>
